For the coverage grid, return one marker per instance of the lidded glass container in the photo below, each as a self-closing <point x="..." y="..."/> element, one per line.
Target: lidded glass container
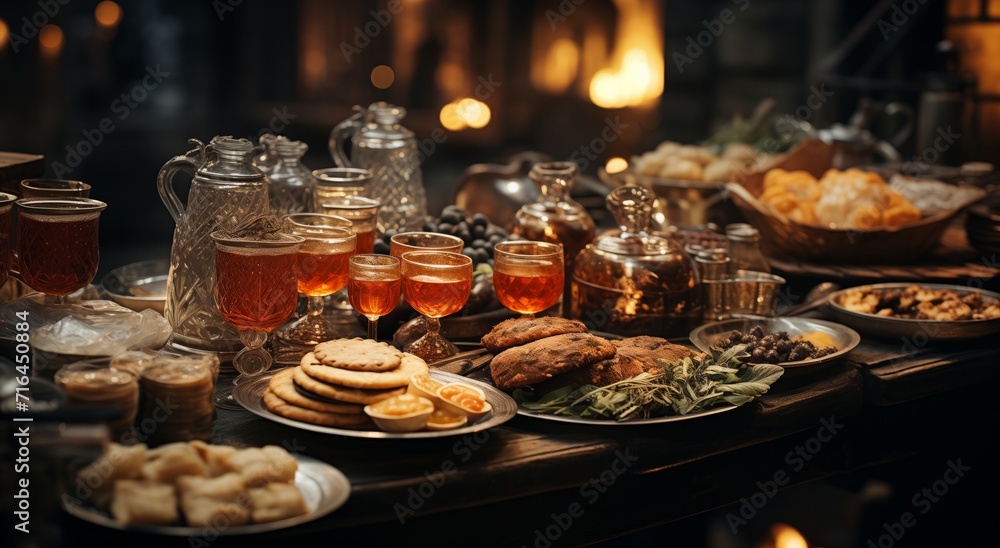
<point x="267" y="158"/>
<point x="635" y="283"/>
<point x="290" y="183"/>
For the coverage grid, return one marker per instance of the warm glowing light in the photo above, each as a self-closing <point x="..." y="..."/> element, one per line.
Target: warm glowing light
<point x="108" y="13"/>
<point x="51" y="39"/>
<point x="634" y="75"/>
<point x="383" y="76"/>
<point x="786" y="536"/>
<point x="450" y="119"/>
<point x="559" y="69"/>
<point x="616" y="165"/>
<point x="473" y="113"/>
<point x="4" y="33"/>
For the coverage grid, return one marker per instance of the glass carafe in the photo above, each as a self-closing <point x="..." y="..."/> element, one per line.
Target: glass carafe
<point x="555" y="218"/>
<point x="290" y="183"/>
<point x="226" y="190"/>
<point x="267" y="158"/>
<point x="635" y="283"/>
<point x="381" y="145"/>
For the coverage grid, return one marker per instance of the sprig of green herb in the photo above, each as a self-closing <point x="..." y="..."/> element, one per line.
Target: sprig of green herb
<point x="680" y="387"/>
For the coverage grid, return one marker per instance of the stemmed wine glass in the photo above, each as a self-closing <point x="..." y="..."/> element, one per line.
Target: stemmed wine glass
<point x="528" y="276"/>
<point x="255" y="290"/>
<point x="363" y="214"/>
<point x="423" y="241"/>
<point x="321" y="269"/>
<point x="373" y="287"/>
<point x="436" y="284"/>
<point x="57" y="247"/>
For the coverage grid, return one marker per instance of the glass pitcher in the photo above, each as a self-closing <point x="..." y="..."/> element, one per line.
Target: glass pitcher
<point x="635" y="283"/>
<point x="225" y="191"/>
<point x="381" y="145"/>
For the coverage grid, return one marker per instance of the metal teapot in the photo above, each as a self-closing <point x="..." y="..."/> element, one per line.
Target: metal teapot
<point x="226" y="190"/>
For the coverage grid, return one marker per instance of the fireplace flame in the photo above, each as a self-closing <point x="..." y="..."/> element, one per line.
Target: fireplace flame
<point x="634" y="75"/>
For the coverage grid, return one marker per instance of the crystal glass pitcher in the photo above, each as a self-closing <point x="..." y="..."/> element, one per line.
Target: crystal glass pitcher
<point x="225" y="191"/>
<point x="290" y="181"/>
<point x="381" y="145"/>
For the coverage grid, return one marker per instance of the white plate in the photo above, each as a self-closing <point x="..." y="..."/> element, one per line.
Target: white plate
<point x="323" y="487"/>
<point x="250" y="394"/>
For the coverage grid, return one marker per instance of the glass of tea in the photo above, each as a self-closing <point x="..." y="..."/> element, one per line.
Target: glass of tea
<point x="6" y="203"/>
<point x="406" y="242"/>
<point x="54" y="188"/>
<point x="57" y="250"/>
<point x="337" y="182"/>
<point x="256" y="292"/>
<point x="373" y="286"/>
<point x="528" y="276"/>
<point x="363" y="214"/>
<point x="321" y="269"/>
<point x="436" y="284"/>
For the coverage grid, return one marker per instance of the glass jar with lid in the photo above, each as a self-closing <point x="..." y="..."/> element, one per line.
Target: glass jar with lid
<point x="290" y="183"/>
<point x="635" y="283"/>
<point x="744" y="249"/>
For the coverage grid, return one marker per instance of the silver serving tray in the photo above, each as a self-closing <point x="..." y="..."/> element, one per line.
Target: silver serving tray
<point x="844" y="338"/>
<point x="323" y="487"/>
<point x="915" y="331"/>
<point x="250" y="394"/>
<point x="139" y="286"/>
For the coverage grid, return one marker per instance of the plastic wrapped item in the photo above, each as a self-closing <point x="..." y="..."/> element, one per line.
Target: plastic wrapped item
<point x="89" y="385"/>
<point x="64" y="333"/>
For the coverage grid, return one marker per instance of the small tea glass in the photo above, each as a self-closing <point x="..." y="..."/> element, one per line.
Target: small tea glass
<point x="256" y="292"/>
<point x="436" y="284"/>
<point x="337" y="182"/>
<point x="528" y="276"/>
<point x="321" y="266"/>
<point x="373" y="287"/>
<point x="57" y="245"/>
<point x="54" y="188"/>
<point x="406" y="242"/>
<point x="363" y="214"/>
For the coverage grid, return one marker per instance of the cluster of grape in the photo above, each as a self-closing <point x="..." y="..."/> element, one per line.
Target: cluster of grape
<point x="478" y="234"/>
<point x="774" y="347"/>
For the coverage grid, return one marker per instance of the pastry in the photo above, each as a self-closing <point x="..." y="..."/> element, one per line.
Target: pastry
<point x="540" y="360"/>
<point x="276" y="501"/>
<point x="518" y="331"/>
<point x="400" y="377"/>
<point x="282" y="385"/>
<point x="358" y="355"/>
<point x="311" y="387"/>
<point x="282" y="408"/>
<point x="143" y="502"/>
<point x="209" y="501"/>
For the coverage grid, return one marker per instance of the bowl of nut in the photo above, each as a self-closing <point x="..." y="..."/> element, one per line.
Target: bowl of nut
<point x="788" y="342"/>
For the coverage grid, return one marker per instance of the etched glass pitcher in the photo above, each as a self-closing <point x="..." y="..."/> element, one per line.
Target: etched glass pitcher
<point x="381" y="145"/>
<point x="225" y="191"/>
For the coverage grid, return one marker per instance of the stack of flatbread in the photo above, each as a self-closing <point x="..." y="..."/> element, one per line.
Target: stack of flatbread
<point x="207" y="485"/>
<point x="335" y="381"/>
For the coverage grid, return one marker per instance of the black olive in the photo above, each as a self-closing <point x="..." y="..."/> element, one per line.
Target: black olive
<point x="429" y="226"/>
<point x="469" y="252"/>
<point x="757" y="331"/>
<point x="478" y="231"/>
<point x="480" y="219"/>
<point x="783" y="346"/>
<point x="497" y="238"/>
<point x="478" y="243"/>
<point x="444" y="228"/>
<point x="758" y="355"/>
<point x="452" y="217"/>
<point x="480" y="256"/>
<point x="772" y="357"/>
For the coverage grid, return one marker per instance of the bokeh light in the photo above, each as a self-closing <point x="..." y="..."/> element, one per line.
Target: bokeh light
<point x="108" y="13"/>
<point x="616" y="165"/>
<point x="51" y="39"/>
<point x="4" y="33"/>
<point x="383" y="76"/>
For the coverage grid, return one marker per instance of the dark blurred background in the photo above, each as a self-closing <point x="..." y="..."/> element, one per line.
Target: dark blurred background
<point x="551" y="73"/>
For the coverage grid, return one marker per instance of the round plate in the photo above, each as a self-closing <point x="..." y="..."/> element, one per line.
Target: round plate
<point x="250" y="394"/>
<point x="896" y="328"/>
<point x="323" y="487"/>
<point x="139" y="286"/>
<point x="612" y="422"/>
<point x="844" y="338"/>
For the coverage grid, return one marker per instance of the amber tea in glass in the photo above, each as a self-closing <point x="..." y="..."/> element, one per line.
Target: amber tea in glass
<point x="528" y="276"/>
<point x="436" y="284"/>
<point x="373" y="286"/>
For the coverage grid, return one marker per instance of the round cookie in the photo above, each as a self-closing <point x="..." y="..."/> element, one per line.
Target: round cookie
<point x="543" y="359"/>
<point x="342" y="393"/>
<point x="358" y="355"/>
<point x="282" y="408"/>
<point x="281" y="385"/>
<point x="400" y="377"/>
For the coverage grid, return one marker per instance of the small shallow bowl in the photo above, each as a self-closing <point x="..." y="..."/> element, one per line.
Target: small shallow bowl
<point x="460" y="421"/>
<point x="456" y="409"/>
<point x="139" y="286"/>
<point x="417" y="390"/>
<point x="844" y="338"/>
<point x="410" y="422"/>
<point x="915" y="332"/>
